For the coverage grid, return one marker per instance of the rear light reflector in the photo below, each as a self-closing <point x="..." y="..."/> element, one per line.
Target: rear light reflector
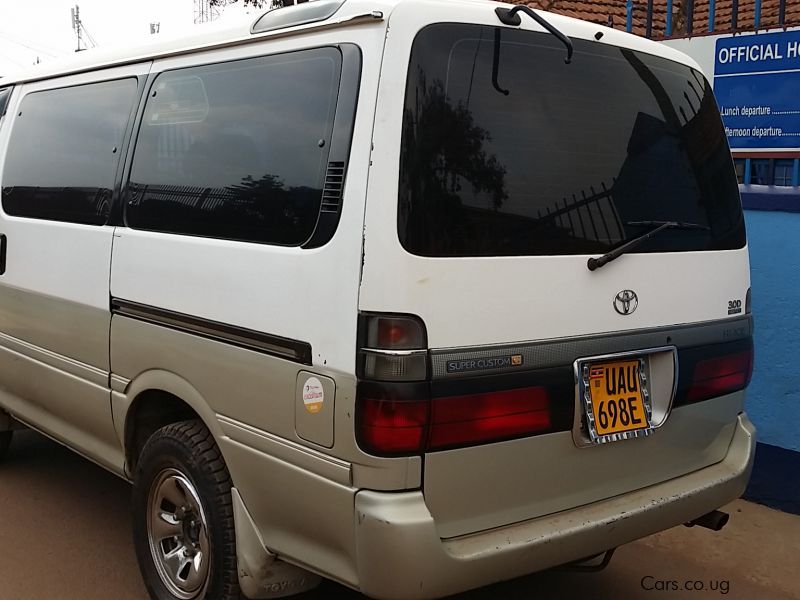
<point x="388" y="427"/>
<point x="391" y="424"/>
<point x="721" y="375"/>
<point x="476" y="418"/>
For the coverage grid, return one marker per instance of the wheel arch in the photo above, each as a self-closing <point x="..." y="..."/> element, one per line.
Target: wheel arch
<point x="151" y="400"/>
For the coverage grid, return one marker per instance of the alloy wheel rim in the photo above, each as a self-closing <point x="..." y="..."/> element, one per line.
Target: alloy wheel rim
<point x="177" y="532"/>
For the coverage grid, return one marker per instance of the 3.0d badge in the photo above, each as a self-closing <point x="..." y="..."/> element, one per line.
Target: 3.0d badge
<point x="626" y="302"/>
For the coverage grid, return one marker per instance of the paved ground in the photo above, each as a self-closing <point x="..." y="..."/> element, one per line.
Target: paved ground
<point x="65" y="534"/>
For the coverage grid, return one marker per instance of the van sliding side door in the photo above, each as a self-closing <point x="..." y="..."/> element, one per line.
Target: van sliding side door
<point x="63" y="139"/>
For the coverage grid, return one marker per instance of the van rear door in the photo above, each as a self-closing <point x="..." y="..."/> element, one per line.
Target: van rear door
<point x="500" y="171"/>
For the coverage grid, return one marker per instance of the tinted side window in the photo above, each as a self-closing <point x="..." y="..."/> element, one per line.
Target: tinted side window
<point x="63" y="152"/>
<point x="237" y="150"/>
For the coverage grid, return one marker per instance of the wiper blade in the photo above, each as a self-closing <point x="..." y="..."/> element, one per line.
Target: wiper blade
<point x="658" y="226"/>
<point x="674" y="224"/>
<point x="509" y="16"/>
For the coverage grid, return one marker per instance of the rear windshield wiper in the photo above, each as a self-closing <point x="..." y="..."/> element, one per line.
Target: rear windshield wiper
<point x="509" y="16"/>
<point x="658" y="227"/>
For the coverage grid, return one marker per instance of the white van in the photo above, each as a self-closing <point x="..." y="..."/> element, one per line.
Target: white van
<point x="415" y="295"/>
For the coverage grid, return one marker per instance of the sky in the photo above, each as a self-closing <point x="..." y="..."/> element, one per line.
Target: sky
<point x="31" y="29"/>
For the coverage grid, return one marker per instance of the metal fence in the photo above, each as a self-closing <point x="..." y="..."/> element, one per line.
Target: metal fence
<point x="591" y="216"/>
<point x="660" y="19"/>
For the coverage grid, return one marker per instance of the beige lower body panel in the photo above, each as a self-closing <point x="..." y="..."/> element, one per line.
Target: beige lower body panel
<point x="401" y="556"/>
<point x="64" y="406"/>
<point x="54" y="371"/>
<point x="63" y="327"/>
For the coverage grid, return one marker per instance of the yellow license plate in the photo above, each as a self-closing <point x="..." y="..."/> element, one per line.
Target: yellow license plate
<point x="616" y="397"/>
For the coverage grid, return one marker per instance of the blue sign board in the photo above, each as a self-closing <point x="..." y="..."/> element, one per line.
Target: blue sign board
<point x="757" y="84"/>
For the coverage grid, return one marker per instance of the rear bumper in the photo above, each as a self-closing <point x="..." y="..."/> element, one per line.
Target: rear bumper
<point x="400" y="555"/>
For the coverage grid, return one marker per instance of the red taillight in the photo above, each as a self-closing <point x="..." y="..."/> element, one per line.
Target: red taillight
<point x="392" y="334"/>
<point x="463" y="420"/>
<point x="393" y="426"/>
<point x="721" y="375"/>
<point x="396" y="427"/>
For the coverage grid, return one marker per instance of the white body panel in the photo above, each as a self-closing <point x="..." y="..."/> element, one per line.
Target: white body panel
<point x="68" y="260"/>
<point x="64" y="260"/>
<point x="537" y="298"/>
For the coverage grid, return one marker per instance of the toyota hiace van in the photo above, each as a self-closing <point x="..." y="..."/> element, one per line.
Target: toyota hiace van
<point x="414" y="295"/>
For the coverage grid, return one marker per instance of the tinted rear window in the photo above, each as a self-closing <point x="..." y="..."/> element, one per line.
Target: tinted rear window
<point x="506" y="150"/>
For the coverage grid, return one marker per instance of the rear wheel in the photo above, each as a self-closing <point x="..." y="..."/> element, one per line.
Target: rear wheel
<point x="183" y="516"/>
<point x="5" y="442"/>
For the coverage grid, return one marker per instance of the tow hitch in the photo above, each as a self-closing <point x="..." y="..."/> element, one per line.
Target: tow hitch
<point x="591" y="564"/>
<point x="715" y="520"/>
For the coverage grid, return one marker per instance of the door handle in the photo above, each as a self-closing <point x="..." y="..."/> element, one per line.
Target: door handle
<point x="3" y="244"/>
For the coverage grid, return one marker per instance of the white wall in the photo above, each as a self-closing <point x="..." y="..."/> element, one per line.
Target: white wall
<point x="699" y="48"/>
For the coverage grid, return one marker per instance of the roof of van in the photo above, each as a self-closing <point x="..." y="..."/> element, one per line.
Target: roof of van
<point x="214" y="35"/>
<point x="208" y="35"/>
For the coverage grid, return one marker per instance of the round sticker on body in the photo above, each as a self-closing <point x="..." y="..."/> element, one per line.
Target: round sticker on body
<point x="313" y="395"/>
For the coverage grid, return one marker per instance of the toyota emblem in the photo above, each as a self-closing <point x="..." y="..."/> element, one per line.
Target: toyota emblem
<point x="626" y="302"/>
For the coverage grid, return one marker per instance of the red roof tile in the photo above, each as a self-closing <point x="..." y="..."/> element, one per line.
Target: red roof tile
<point x="614" y="13"/>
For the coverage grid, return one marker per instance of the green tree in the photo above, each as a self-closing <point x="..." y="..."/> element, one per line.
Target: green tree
<point x="443" y="152"/>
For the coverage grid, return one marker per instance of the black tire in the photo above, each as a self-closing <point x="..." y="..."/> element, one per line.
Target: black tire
<point x="174" y="455"/>
<point x="5" y="442"/>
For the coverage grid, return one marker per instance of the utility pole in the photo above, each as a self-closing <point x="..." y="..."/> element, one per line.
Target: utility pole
<point x="76" y="24"/>
<point x="80" y="30"/>
<point x="204" y="11"/>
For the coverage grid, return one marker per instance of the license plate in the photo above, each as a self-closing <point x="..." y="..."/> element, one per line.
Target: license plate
<point x="616" y="399"/>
